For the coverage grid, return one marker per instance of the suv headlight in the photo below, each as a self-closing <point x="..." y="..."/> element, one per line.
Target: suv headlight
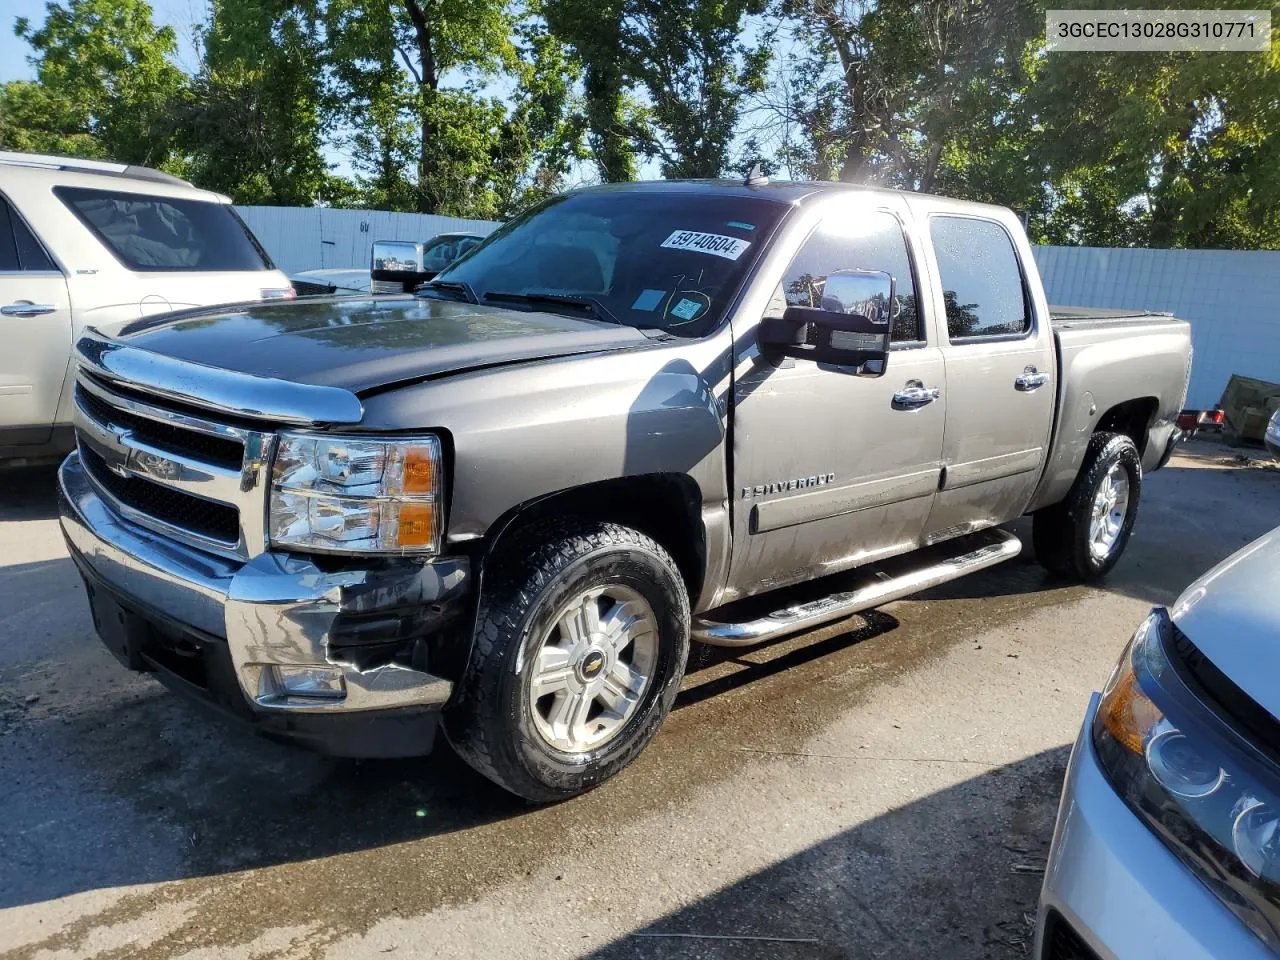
<point x="1206" y="791"/>
<point x="356" y="494"/>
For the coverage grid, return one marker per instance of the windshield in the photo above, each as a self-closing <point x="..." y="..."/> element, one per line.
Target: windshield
<point x="671" y="261"/>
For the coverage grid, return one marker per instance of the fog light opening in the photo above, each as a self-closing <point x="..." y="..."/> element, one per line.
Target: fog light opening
<point x="309" y="681"/>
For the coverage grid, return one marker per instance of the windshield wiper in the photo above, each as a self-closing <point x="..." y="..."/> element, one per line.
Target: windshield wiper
<point x="589" y="304"/>
<point x="460" y="288"/>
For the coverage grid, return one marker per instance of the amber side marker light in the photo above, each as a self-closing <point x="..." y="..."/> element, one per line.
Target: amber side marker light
<point x="1127" y="713"/>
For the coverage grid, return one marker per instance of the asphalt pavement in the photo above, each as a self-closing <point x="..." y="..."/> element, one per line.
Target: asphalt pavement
<point x="884" y="787"/>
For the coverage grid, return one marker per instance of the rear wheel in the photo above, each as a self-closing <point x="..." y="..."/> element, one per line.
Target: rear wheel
<point x="1084" y="535"/>
<point x="581" y="641"/>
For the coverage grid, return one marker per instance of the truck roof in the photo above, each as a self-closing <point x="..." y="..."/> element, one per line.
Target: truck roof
<point x="782" y="191"/>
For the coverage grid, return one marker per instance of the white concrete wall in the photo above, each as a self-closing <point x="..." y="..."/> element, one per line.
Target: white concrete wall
<point x="1231" y="297"/>
<point x="307" y="238"/>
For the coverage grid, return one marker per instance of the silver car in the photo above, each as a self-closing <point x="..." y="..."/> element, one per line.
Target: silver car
<point x="1168" y="836"/>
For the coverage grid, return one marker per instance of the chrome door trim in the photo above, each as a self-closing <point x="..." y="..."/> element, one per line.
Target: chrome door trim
<point x="228" y="392"/>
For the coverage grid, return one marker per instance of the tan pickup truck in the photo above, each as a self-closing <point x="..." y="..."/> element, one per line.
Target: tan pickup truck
<point x="634" y="417"/>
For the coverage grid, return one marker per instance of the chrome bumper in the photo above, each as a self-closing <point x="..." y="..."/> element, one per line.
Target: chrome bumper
<point x="273" y="609"/>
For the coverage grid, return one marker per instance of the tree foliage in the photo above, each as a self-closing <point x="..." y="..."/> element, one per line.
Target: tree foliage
<point x="104" y="83"/>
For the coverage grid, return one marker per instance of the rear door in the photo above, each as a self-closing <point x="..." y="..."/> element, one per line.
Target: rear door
<point x="35" y="331"/>
<point x="831" y="468"/>
<point x="1001" y="373"/>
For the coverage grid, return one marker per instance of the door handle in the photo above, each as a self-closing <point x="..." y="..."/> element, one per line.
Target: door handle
<point x="25" y="308"/>
<point x="914" y="395"/>
<point x="1029" y="380"/>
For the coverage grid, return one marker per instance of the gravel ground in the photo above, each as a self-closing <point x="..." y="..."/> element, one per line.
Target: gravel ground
<point x="884" y="787"/>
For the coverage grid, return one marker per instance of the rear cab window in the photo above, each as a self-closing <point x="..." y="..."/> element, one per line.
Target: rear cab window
<point x="982" y="284"/>
<point x="166" y="234"/>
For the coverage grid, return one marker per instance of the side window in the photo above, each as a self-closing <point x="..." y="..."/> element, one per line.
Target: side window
<point x="872" y="241"/>
<point x="31" y="254"/>
<point x="19" y="249"/>
<point x="981" y="278"/>
<point x="8" y="249"/>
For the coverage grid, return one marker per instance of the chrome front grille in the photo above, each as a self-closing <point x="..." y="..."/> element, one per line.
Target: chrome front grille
<point x="173" y="470"/>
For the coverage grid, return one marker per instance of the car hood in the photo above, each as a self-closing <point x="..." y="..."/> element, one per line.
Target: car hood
<point x="366" y="344"/>
<point x="1233" y="616"/>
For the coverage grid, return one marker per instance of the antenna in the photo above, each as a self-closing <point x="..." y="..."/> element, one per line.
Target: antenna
<point x="756" y="177"/>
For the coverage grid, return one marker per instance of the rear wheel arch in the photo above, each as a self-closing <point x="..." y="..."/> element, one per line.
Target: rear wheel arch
<point x="1133" y="418"/>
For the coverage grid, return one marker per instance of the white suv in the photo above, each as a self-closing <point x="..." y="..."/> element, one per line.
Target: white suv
<point x="83" y="244"/>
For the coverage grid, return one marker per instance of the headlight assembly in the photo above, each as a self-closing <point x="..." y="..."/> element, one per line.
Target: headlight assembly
<point x="1207" y="791"/>
<point x="356" y="494"/>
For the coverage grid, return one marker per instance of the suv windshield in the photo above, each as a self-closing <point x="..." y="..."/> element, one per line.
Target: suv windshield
<point x="166" y="233"/>
<point x="666" y="260"/>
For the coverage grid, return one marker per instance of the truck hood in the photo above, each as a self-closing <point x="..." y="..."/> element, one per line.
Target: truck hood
<point x="1231" y="614"/>
<point x="362" y="345"/>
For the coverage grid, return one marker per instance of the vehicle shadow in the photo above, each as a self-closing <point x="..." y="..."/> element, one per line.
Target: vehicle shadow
<point x="29" y="493"/>
<point x="886" y="888"/>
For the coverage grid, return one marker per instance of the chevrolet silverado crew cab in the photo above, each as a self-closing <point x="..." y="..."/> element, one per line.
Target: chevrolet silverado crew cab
<point x="85" y="243"/>
<point x="633" y="417"/>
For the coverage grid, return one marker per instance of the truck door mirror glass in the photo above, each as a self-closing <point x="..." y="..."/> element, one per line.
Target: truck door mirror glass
<point x="851" y="328"/>
<point x="397" y="266"/>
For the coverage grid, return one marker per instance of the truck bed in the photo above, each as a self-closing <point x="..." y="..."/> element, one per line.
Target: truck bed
<point x="1102" y="355"/>
<point x="1083" y="318"/>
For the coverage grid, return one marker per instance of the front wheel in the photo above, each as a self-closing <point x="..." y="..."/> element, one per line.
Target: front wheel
<point x="1084" y="535"/>
<point x="581" y="640"/>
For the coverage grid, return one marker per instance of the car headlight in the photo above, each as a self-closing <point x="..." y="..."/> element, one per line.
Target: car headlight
<point x="356" y="494"/>
<point x="1206" y="791"/>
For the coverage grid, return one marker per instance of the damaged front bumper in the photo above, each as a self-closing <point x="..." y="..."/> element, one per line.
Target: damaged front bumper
<point x="230" y="633"/>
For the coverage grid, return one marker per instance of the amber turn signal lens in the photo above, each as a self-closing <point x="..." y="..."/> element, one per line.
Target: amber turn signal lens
<point x="1127" y="713"/>
<point x="419" y="470"/>
<point x="417" y="525"/>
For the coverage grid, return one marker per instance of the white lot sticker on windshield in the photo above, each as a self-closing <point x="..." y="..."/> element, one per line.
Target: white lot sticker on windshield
<point x="730" y="248"/>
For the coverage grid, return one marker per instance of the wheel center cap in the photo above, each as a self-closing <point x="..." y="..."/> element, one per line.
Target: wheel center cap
<point x="591" y="665"/>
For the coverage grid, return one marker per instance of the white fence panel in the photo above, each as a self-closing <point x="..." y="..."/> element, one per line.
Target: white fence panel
<point x="307" y="238"/>
<point x="1231" y="297"/>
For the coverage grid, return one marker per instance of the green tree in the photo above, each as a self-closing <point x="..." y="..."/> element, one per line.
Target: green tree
<point x="661" y="78"/>
<point x="592" y="30"/>
<point x="254" y="119"/>
<point x="688" y="58"/>
<point x="104" y="85"/>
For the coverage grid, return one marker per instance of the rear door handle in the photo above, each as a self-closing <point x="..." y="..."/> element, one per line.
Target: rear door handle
<point x="1029" y="380"/>
<point x="914" y="395"/>
<point x="25" y="308"/>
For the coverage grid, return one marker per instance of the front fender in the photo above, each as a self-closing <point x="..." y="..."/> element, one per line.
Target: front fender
<point x="522" y="432"/>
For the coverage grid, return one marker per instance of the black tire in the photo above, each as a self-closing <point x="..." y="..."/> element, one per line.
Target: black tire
<point x="1060" y="533"/>
<point x="490" y="723"/>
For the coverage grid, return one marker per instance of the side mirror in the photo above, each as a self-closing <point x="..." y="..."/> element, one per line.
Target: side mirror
<point x="397" y="266"/>
<point x="850" y="328"/>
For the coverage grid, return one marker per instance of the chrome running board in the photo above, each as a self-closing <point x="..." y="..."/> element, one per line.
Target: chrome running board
<point x="980" y="551"/>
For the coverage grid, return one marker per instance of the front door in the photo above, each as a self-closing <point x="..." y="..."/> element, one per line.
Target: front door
<point x="1001" y="373"/>
<point x="832" y="469"/>
<point x="35" y="328"/>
